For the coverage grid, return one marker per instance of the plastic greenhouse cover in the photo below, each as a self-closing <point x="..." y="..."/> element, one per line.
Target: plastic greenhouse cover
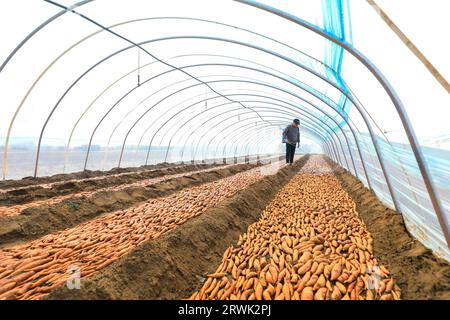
<point x="75" y="96"/>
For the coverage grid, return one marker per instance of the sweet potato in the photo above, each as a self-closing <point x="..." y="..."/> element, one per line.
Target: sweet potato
<point x="307" y="294"/>
<point x="316" y="245"/>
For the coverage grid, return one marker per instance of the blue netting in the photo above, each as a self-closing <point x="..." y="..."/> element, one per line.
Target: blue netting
<point x="337" y="22"/>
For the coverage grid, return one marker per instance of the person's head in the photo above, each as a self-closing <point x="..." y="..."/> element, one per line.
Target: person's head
<point x="296" y="123"/>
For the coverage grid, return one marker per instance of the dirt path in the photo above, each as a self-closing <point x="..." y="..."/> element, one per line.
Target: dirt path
<point x="418" y="272"/>
<point x="173" y="265"/>
<point x="34" y="269"/>
<point x="38" y="221"/>
<point x="309" y="244"/>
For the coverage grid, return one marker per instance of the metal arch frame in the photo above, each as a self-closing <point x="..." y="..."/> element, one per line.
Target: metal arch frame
<point x="267" y="73"/>
<point x="86" y="1"/>
<point x="198" y="127"/>
<point x="123" y="23"/>
<point x="335" y="154"/>
<point x="149" y="19"/>
<point x="411" y="136"/>
<point x="184" y="101"/>
<point x="329" y="145"/>
<point x="406" y="122"/>
<point x="253" y="147"/>
<point x="293" y="111"/>
<point x="154" y="105"/>
<point x="288" y="92"/>
<point x="134" y="44"/>
<point x="264" y="135"/>
<point x="91" y="68"/>
<point x="260" y="133"/>
<point x="203" y="100"/>
<point x="331" y="150"/>
<point x="252" y="94"/>
<point x="102" y="93"/>
<point x="332" y="147"/>
<point x="349" y="97"/>
<point x="127" y="114"/>
<point x="337" y="124"/>
<point x="246" y="127"/>
<point x="115" y="104"/>
<point x="249" y="126"/>
<point x="10" y="56"/>
<point x="247" y="94"/>
<point x="218" y="97"/>
<point x="296" y="108"/>
<point x="236" y="135"/>
<point x="227" y="111"/>
<point x="256" y="143"/>
<point x="304" y="127"/>
<point x="330" y="154"/>
<point x="220" y="56"/>
<point x="246" y="124"/>
<point x="187" y="55"/>
<point x="338" y="135"/>
<point x="303" y="67"/>
<point x="356" y="140"/>
<point x="153" y="93"/>
<point x="219" y="39"/>
<point x="308" y="123"/>
<point x="150" y="54"/>
<point x="312" y="131"/>
<point x="325" y="150"/>
<point x="325" y="141"/>
<point x="71" y="9"/>
<point x="326" y="102"/>
<point x="138" y="86"/>
<point x="36" y="30"/>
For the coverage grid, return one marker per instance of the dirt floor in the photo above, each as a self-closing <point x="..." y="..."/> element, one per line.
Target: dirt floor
<point x="38" y="221"/>
<point x="419" y="274"/>
<point x="175" y="264"/>
<point x="36" y="193"/>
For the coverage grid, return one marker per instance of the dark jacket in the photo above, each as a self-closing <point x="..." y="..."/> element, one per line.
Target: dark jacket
<point x="291" y="135"/>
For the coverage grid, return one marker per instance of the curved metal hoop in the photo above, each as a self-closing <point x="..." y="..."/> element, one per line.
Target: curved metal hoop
<point x="406" y="122"/>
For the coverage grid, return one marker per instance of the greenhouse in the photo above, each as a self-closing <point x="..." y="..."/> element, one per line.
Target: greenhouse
<point x="141" y="131"/>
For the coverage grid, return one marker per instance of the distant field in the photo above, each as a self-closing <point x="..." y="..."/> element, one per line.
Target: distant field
<point x="21" y="163"/>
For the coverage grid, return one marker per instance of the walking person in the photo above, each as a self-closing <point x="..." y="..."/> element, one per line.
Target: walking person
<point x="291" y="136"/>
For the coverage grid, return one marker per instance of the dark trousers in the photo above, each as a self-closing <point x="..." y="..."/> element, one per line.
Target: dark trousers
<point x="290" y="151"/>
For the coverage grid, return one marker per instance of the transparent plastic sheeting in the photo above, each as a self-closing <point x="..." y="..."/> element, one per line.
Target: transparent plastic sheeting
<point x="409" y="189"/>
<point x="86" y="98"/>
